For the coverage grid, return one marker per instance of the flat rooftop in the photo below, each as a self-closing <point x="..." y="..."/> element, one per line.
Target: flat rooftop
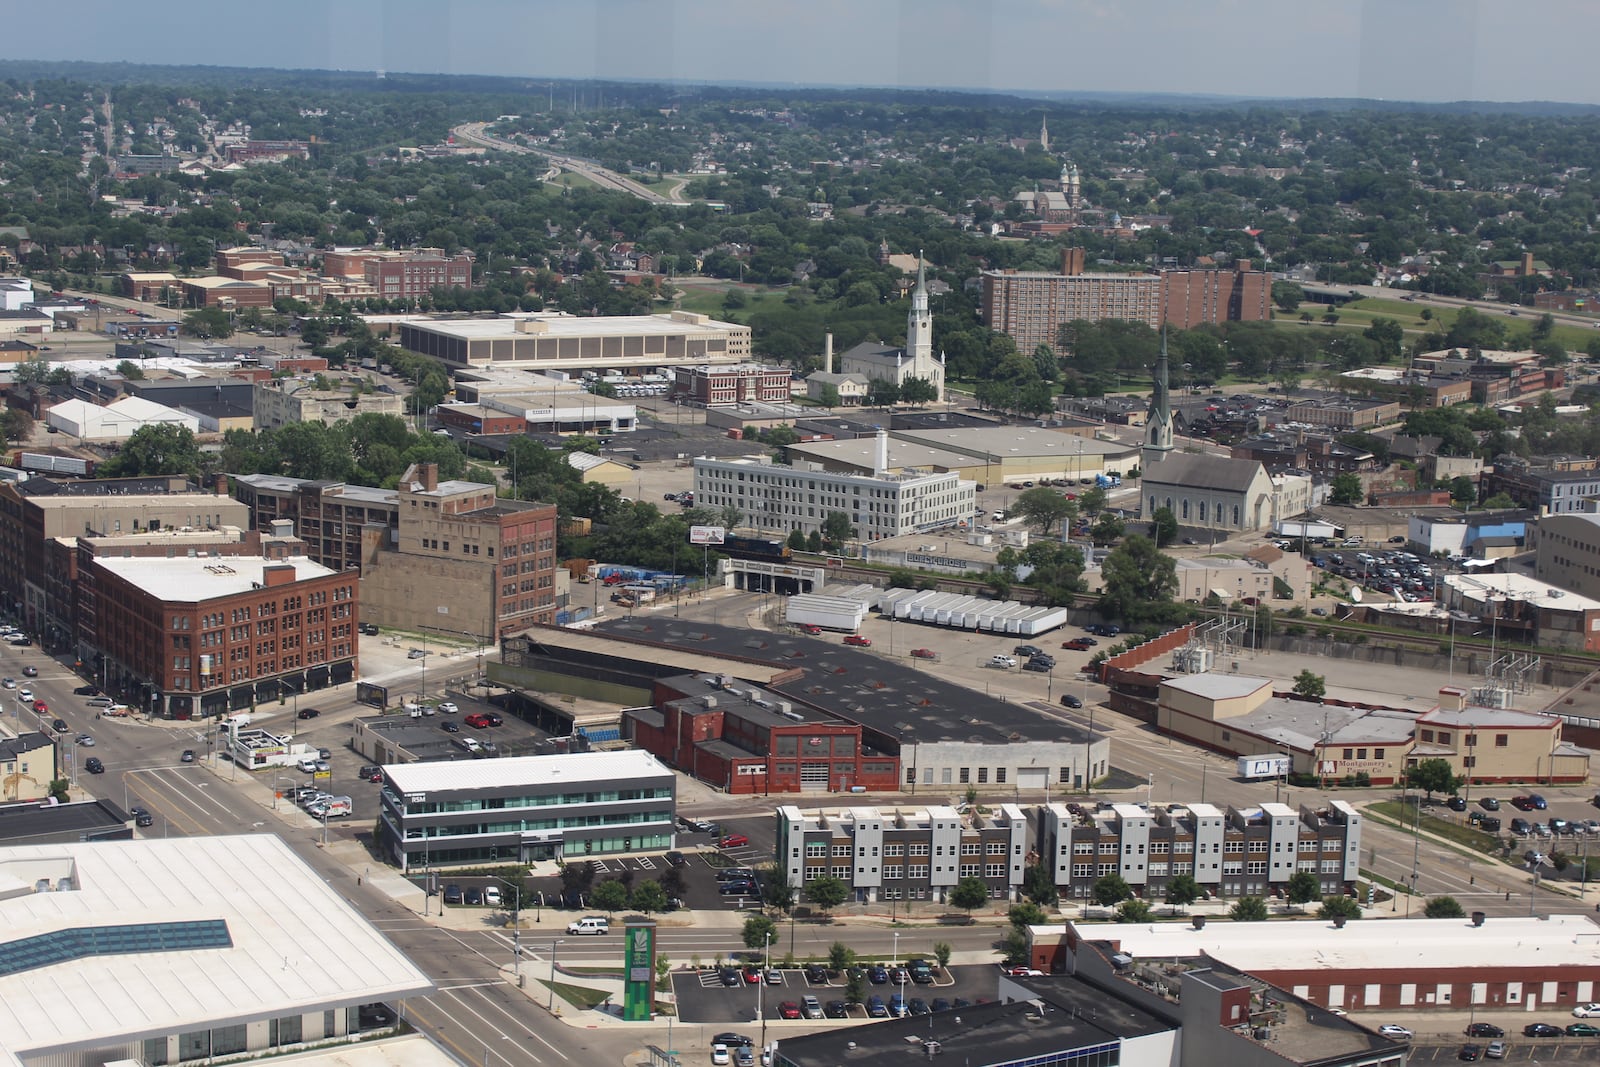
<point x="292" y="943"/>
<point x="31" y="822"/>
<point x="892" y="699"/>
<point x="572" y="326"/>
<point x="524" y="771"/>
<point x="1371" y="944"/>
<point x="1015" y="442"/>
<point x="1076" y="1016"/>
<point x="1217" y="686"/>
<point x="189" y="580"/>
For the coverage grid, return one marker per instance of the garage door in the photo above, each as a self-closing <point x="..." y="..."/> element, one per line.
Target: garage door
<point x="1033" y="778"/>
<point x="814" y="777"/>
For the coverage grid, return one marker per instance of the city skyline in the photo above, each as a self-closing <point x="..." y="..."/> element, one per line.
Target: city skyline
<point x="1426" y="51"/>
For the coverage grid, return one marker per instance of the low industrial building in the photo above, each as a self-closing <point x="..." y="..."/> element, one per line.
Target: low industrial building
<point x="1520" y="964"/>
<point x="282" y="401"/>
<point x="117" y="421"/>
<point x="986" y="455"/>
<point x="564" y="807"/>
<point x="1525" y="610"/>
<point x="77" y="821"/>
<point x="942" y="736"/>
<point x="1566" y="550"/>
<point x="177" y="950"/>
<point x="552" y="341"/>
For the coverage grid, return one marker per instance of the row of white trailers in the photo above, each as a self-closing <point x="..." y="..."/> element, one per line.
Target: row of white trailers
<point x="962" y="612"/>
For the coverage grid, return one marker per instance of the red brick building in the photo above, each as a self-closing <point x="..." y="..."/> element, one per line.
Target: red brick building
<point x="742" y="383"/>
<point x="747" y="740"/>
<point x="477" y="419"/>
<point x="1190" y="298"/>
<point x="204" y="635"/>
<point x="397" y="275"/>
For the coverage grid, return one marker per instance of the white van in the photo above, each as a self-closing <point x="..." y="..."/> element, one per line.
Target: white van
<point x="589" y="924"/>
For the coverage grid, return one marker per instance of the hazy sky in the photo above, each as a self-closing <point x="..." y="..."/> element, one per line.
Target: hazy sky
<point x="1392" y="49"/>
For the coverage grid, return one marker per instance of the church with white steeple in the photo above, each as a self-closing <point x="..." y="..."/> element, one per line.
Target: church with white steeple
<point x="875" y="361"/>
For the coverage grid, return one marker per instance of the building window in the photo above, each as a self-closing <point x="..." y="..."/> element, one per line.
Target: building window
<point x="983" y="776"/>
<point x="966" y="775"/>
<point x="155" y="1051"/>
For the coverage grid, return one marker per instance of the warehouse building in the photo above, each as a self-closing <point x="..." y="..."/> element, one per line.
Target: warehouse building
<point x="547" y="341"/>
<point x="177" y="950"/>
<point x="525" y="809"/>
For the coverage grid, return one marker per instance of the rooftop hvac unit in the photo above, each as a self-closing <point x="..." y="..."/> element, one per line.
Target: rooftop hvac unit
<point x="708" y="702"/>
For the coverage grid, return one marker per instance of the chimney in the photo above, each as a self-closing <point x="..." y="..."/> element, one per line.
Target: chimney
<point x="277" y="574"/>
<point x="220" y="485"/>
<point x="880" y="453"/>
<point x="827" y="353"/>
<point x="429" y="473"/>
<point x="1071" y="261"/>
<point x="1527" y="265"/>
<point x="1242" y="266"/>
<point x="1452" y="698"/>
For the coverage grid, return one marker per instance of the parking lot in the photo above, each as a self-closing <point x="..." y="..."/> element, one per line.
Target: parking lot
<point x="1517" y="1050"/>
<point x="702" y="996"/>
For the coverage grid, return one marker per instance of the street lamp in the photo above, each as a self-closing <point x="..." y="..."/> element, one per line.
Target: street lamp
<point x="761" y="986"/>
<point x="551" y="1006"/>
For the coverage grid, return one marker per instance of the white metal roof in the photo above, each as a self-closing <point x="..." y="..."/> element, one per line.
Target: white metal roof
<point x="298" y="946"/>
<point x="1217" y="686"/>
<point x="556" y="325"/>
<point x="524" y="771"/>
<point x="193" y="579"/>
<point x="1419" y="945"/>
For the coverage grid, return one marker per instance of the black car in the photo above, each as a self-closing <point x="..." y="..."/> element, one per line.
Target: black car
<point x="450" y="727"/>
<point x="742" y="889"/>
<point x="816" y="974"/>
<point x="1070" y="701"/>
<point x="730" y="978"/>
<point x="370" y="772"/>
<point x="1456" y="803"/>
<point x="473" y="896"/>
<point x="940" y="1004"/>
<point x="1470" y="1052"/>
<point x="141" y="817"/>
<point x="452" y="894"/>
<point x="675" y="859"/>
<point x="731" y="1039"/>
<point x="1038" y="666"/>
<point x="94" y="766"/>
<point x="86" y="691"/>
<point x="878" y="974"/>
<point x="1541" y="1030"/>
<point x="310" y="713"/>
<point x="1488" y="804"/>
<point x="836" y="1009"/>
<point x="921" y="971"/>
<point x="1485" y="1030"/>
<point x="368" y="628"/>
<point x="918" y="1006"/>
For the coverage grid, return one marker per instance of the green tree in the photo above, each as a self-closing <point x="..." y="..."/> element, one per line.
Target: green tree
<point x="826" y="892"/>
<point x="1433" y="776"/>
<point x="61" y="790"/>
<point x="1248" y="910"/>
<point x="1164" y="527"/>
<point x="777" y="890"/>
<point x="158" y="449"/>
<point x="1339" y="907"/>
<point x="1444" y="908"/>
<point x="609" y="896"/>
<point x="16" y="424"/>
<point x="1110" y="889"/>
<point x="1134" y="911"/>
<point x="1138" y="582"/>
<point x="1092" y="501"/>
<point x="1463" y="491"/>
<point x="1106" y="529"/>
<point x="796" y="540"/>
<point x="882" y="393"/>
<point x="1310" y="685"/>
<point x="1014" y="947"/>
<point x="942" y="952"/>
<point x="1302" y="888"/>
<point x="1499" y="502"/>
<point x="1388" y="336"/>
<point x="1183" y="890"/>
<point x="840" y="956"/>
<point x="855" y="988"/>
<point x="758" y="932"/>
<point x="969" y="893"/>
<point x="1345" y="489"/>
<point x="208" y="322"/>
<point x="1025" y="913"/>
<point x="130" y="370"/>
<point x="918" y="391"/>
<point x="1044" y="508"/>
<point x="836" y="531"/>
<point x="828" y="396"/>
<point x="1287" y="295"/>
<point x="1039" y="885"/>
<point x="649" y="897"/>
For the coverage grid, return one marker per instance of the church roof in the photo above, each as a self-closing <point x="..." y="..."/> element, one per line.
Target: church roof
<point x="875" y="351"/>
<point x="1204" y="472"/>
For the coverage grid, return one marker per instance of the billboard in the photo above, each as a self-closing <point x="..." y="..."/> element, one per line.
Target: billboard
<point x="639" y="970"/>
<point x="707" y="535"/>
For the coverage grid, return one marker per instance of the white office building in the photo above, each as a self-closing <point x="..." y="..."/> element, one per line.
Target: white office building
<point x="183" y="950"/>
<point x="776" y="498"/>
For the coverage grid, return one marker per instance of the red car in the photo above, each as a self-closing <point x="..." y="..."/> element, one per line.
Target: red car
<point x="752" y="975"/>
<point x="735" y="841"/>
<point x="1079" y="644"/>
<point x="924" y="653"/>
<point x="809" y="628"/>
<point x="857" y="639"/>
<point x="789" y="1010"/>
<point x="40" y="706"/>
<point x="477" y="720"/>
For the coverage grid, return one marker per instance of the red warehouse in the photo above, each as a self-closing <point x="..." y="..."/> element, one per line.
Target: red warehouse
<point x="747" y="740"/>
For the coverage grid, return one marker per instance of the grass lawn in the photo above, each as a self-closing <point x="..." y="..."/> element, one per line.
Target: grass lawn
<point x="575" y="181"/>
<point x="707" y="300"/>
<point x="580" y="996"/>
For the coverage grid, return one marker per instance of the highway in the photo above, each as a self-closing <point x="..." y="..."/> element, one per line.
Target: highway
<point x="473" y="133"/>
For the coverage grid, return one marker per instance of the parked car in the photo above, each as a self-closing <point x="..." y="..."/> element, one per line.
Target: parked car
<point x="1004" y="662"/>
<point x="1586" y="1011"/>
<point x="732" y="1040"/>
<point x="1521" y="827"/>
<point x="1080" y="644"/>
<point x="729" y="976"/>
<point x="1395" y="1031"/>
<point x="816" y="974"/>
<point x="1456" y="803"/>
<point x="876" y="1008"/>
<point x="448" y="707"/>
<point x="1070" y="701"/>
<point x="924" y="653"/>
<point x="309" y="713"/>
<point x="1583" y="1030"/>
<point x="1538" y="802"/>
<point x="473" y="897"/>
<point x="1541" y="1030"/>
<point x="450" y="727"/>
<point x="477" y="720"/>
<point x="788" y="1010"/>
<point x="720" y="1056"/>
<point x="370" y="772"/>
<point x="1496" y="1050"/>
<point x="811" y="629"/>
<point x="453" y="894"/>
<point x="1470" y="1052"/>
<point x="878" y="974"/>
<point x="837" y="1009"/>
<point x="1039" y="666"/>
<point x="1485" y="1030"/>
<point x="1488" y="804"/>
<point x="857" y="639"/>
<point x="1027" y="650"/>
<point x="734" y="841"/>
<point x="141" y="817"/>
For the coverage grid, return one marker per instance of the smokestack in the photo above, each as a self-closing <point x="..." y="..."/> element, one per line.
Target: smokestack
<point x="880" y="454"/>
<point x="827" y="353"/>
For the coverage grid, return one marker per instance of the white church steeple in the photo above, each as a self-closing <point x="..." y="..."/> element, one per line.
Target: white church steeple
<point x="919" y="324"/>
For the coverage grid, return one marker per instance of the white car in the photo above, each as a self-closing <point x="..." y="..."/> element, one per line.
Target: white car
<point x="8" y="683"/>
<point x="719" y="1056"/>
<point x="491" y="896"/>
<point x="1005" y="662"/>
<point x="25" y="695"/>
<point x="448" y="707"/>
<point x="307" y="766"/>
<point x="1395" y="1031"/>
<point x="1586" y="1011"/>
